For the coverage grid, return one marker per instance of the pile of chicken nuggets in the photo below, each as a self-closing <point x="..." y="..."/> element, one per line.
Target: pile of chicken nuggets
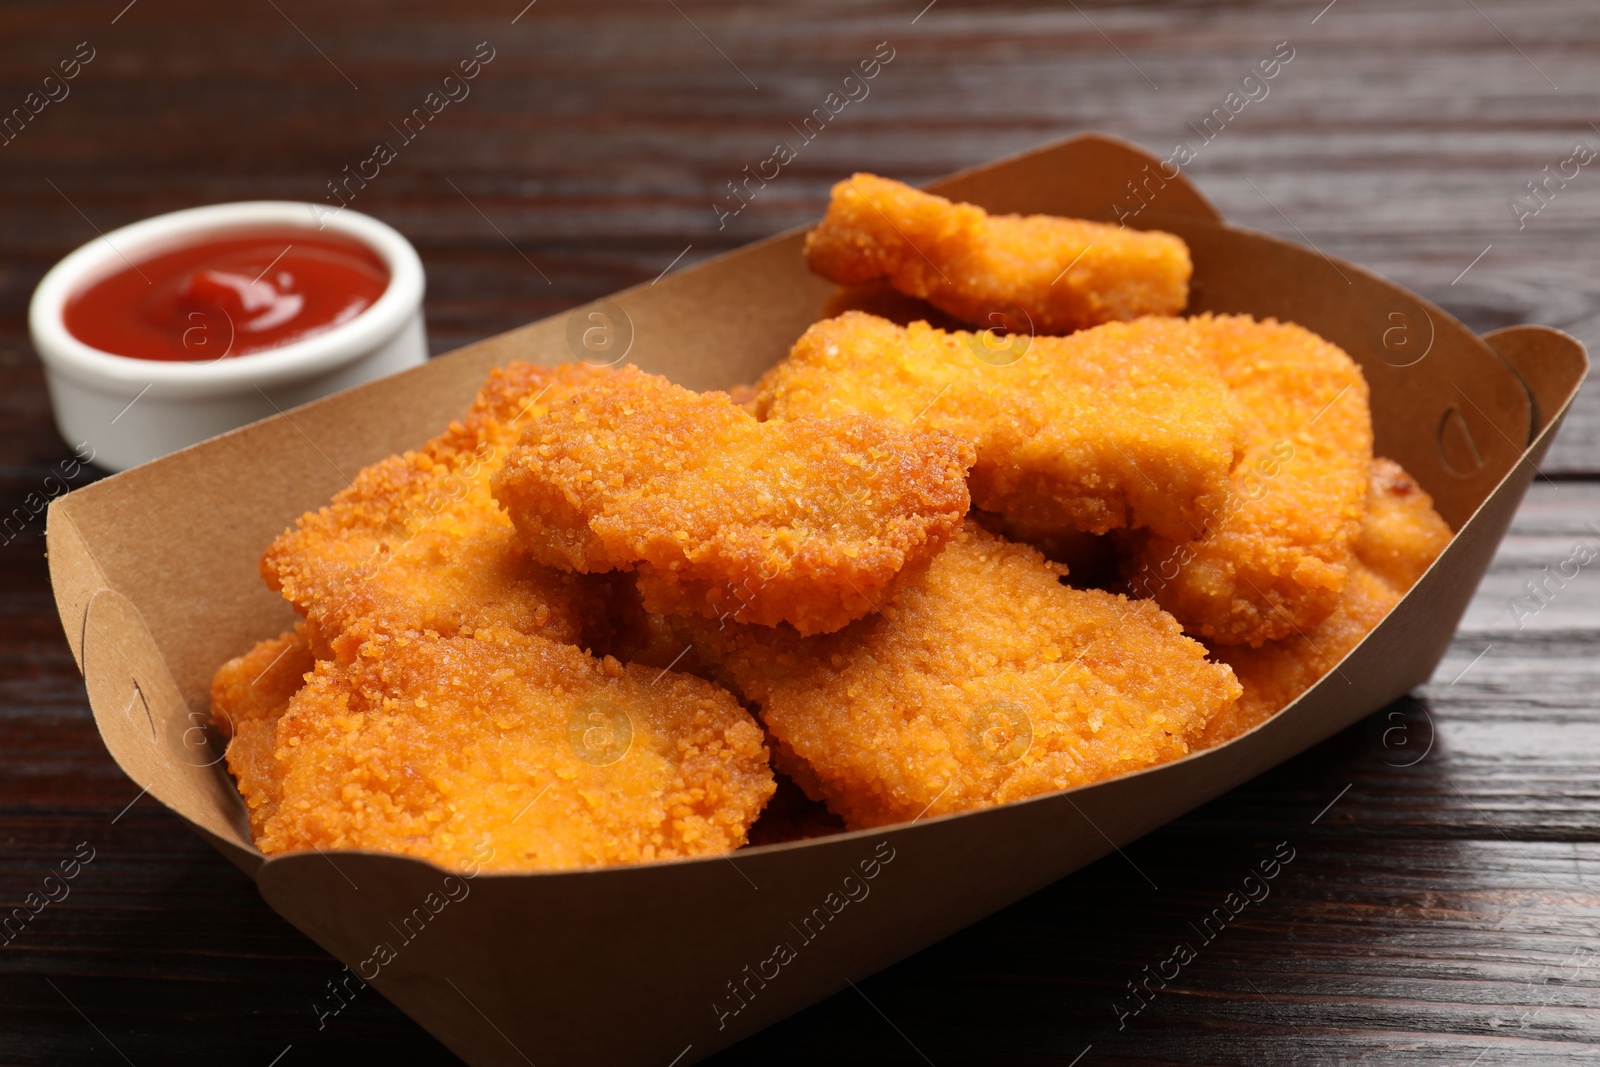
<point x="1026" y="529"/>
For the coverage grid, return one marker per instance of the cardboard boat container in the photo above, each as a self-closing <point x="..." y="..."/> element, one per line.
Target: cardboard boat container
<point x="155" y="576"/>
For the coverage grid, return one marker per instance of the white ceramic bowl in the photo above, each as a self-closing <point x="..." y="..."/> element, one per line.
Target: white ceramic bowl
<point x="133" y="410"/>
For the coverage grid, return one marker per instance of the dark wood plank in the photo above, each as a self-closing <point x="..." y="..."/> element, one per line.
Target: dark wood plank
<point x="1435" y="913"/>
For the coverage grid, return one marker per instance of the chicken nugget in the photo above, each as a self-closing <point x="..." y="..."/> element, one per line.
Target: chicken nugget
<point x="417" y="541"/>
<point x="811" y="522"/>
<point x="249" y="693"/>
<point x="1400" y="538"/>
<point x="1401" y="534"/>
<point x="1277" y="672"/>
<point x="1274" y="558"/>
<point x="985" y="681"/>
<point x="1126" y="424"/>
<point x="1029" y="273"/>
<point x="509" y="752"/>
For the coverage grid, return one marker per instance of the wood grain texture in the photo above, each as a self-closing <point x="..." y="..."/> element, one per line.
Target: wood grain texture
<point x="1442" y="910"/>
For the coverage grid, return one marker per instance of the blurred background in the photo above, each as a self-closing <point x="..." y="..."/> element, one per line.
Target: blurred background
<point x="1432" y="913"/>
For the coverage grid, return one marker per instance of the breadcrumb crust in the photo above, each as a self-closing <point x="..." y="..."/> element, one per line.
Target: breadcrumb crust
<point x="986" y="681"/>
<point x="1030" y="273"/>
<point x="1275" y="557"/>
<point x="1127" y="424"/>
<point x="416" y="540"/>
<point x="811" y="523"/>
<point x="1400" y="538"/>
<point x="437" y="747"/>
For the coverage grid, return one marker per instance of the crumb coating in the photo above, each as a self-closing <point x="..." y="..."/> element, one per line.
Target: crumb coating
<point x="1400" y="538"/>
<point x="1032" y="273"/>
<point x="811" y="522"/>
<point x="1401" y="534"/>
<point x="417" y="541"/>
<point x="1275" y="557"/>
<point x="546" y="757"/>
<point x="249" y="694"/>
<point x="1127" y="424"/>
<point x="985" y="681"/>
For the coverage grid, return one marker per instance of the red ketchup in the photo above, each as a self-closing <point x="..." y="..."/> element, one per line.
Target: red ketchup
<point x="228" y="296"/>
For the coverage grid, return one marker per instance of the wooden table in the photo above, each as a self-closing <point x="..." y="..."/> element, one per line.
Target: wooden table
<point x="1444" y="911"/>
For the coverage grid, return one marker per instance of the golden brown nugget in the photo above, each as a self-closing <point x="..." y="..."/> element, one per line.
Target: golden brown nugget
<point x="500" y="744"/>
<point x="1401" y="534"/>
<point x="1274" y="674"/>
<point x="417" y="541"/>
<point x="1030" y="273"/>
<point x="985" y="681"/>
<point x="249" y="693"/>
<point x="811" y="522"/>
<point x="1127" y="424"/>
<point x="1400" y="538"/>
<point x="1275" y="556"/>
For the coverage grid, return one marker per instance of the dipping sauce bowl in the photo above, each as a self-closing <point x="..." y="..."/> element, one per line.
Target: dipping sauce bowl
<point x="163" y="333"/>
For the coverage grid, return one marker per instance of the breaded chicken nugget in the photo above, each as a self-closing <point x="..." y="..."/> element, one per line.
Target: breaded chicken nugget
<point x="1401" y="534"/>
<point x="543" y="757"/>
<point x="1127" y="424"/>
<point x="1030" y="273"/>
<point x="249" y="693"/>
<point x="1400" y="538"/>
<point x="1274" y="674"/>
<point x="1275" y="557"/>
<point x="985" y="681"/>
<point x="811" y="522"/>
<point x="416" y="540"/>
